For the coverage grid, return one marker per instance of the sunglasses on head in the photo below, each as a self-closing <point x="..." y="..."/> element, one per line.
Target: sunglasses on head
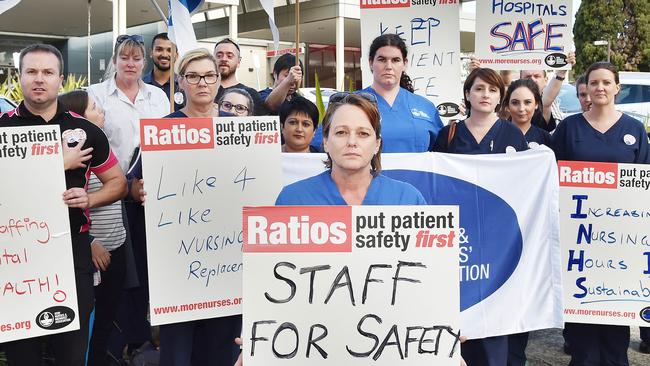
<point x="135" y="38"/>
<point x="342" y="97"/>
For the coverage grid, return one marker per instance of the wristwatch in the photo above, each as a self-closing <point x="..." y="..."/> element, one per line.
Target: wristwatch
<point x="561" y="78"/>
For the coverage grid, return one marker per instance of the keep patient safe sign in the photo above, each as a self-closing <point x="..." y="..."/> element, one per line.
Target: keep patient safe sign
<point x="349" y="285"/>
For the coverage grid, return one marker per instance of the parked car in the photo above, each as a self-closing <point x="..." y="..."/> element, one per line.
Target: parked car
<point x="569" y="103"/>
<point x="634" y="97"/>
<point x="310" y="93"/>
<point x="6" y="104"/>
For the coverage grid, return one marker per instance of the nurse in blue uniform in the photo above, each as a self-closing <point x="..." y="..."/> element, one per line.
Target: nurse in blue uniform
<point x="601" y="134"/>
<point x="482" y="133"/>
<point x="523" y="103"/>
<point x="351" y="139"/>
<point x="409" y="122"/>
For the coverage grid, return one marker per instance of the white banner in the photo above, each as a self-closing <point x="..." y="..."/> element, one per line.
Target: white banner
<point x="199" y="173"/>
<point x="39" y="294"/>
<point x="432" y="34"/>
<point x="351" y="285"/>
<point x="524" y="35"/>
<point x="508" y="236"/>
<point x="606" y="242"/>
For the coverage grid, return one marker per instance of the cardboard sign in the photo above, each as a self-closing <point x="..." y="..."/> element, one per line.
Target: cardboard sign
<point x="199" y="173"/>
<point x="605" y="242"/>
<point x="516" y="35"/>
<point x="431" y="30"/>
<point x="36" y="269"/>
<point x="351" y="285"/>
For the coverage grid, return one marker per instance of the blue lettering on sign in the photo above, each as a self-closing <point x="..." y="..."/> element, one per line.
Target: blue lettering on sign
<point x="528" y="8"/>
<point x="497" y="244"/>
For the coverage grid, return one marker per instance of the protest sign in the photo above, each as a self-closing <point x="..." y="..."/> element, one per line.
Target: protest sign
<point x="431" y="31"/>
<point x="349" y="285"/>
<point x="528" y="35"/>
<point x="36" y="269"/>
<point x="605" y="242"/>
<point x="199" y="173"/>
<point x="508" y="235"/>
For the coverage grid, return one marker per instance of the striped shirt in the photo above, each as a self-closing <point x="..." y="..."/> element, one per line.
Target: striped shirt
<point x="106" y="225"/>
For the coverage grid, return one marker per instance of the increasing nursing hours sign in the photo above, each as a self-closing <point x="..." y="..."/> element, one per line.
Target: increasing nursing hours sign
<point x="431" y="30"/>
<point x="524" y="35"/>
<point x="199" y="173"/>
<point x="605" y="242"/>
<point x="351" y="285"/>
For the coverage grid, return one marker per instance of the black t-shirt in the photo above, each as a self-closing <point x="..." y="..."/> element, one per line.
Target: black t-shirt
<point x="258" y="102"/>
<point x="73" y="127"/>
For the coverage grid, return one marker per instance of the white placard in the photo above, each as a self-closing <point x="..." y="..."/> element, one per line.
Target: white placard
<point x="199" y="173"/>
<point x="36" y="268"/>
<point x="605" y="222"/>
<point x="431" y="30"/>
<point x="524" y="35"/>
<point x="351" y="285"/>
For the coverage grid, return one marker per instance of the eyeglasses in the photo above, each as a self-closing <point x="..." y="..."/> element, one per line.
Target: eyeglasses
<point x="196" y="78"/>
<point x="135" y="38"/>
<point x="239" y="108"/>
<point x="343" y="97"/>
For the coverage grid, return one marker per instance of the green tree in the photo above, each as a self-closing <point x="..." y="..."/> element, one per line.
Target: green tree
<point x="624" y="23"/>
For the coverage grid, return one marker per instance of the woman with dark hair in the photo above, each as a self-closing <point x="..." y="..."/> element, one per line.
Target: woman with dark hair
<point x="410" y="122"/>
<point x="351" y="139"/>
<point x="601" y="134"/>
<point x="523" y="102"/>
<point x="298" y="121"/>
<point x="108" y="238"/>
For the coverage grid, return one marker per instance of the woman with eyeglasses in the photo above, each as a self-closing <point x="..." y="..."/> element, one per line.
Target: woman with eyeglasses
<point x="409" y="122"/>
<point x="236" y="101"/>
<point x="125" y="98"/>
<point x="352" y="141"/>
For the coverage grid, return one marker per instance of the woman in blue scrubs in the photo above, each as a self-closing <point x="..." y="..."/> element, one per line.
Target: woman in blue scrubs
<point x="482" y="133"/>
<point x="523" y="103"/>
<point x="351" y="139"/>
<point x="409" y="122"/>
<point x="601" y="134"/>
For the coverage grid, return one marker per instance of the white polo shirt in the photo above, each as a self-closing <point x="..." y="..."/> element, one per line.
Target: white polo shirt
<point x="122" y="117"/>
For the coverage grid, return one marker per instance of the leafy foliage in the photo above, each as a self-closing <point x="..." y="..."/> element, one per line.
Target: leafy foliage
<point x="319" y="99"/>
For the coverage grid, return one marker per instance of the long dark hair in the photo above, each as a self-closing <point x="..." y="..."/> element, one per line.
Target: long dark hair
<point x="75" y="101"/>
<point x="392" y="40"/>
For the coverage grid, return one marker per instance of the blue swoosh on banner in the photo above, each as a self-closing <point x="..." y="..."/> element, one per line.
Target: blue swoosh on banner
<point x="490" y="226"/>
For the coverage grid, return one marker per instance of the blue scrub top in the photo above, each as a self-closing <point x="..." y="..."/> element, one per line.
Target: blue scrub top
<point x="410" y="125"/>
<point x="321" y="190"/>
<point x="538" y="135"/>
<point x="625" y="142"/>
<point x="501" y="135"/>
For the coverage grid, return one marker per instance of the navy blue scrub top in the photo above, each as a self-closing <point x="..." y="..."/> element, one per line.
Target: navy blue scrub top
<point x="321" y="190"/>
<point x="538" y="135"/>
<point x="625" y="142"/>
<point x="411" y="124"/>
<point x="500" y="136"/>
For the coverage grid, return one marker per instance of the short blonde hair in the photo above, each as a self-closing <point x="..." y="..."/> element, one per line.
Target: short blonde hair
<point x="195" y="55"/>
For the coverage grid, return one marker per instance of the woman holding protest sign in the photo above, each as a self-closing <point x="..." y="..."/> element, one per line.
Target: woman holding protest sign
<point x="522" y="102"/>
<point x="601" y="134"/>
<point x="352" y="141"/>
<point x="482" y="133"/>
<point x="410" y="122"/>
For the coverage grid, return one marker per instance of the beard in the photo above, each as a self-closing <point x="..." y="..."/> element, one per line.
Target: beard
<point x="226" y="71"/>
<point x="160" y="67"/>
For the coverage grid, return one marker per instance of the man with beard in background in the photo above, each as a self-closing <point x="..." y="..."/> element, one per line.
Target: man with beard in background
<point x="161" y="54"/>
<point x="228" y="55"/>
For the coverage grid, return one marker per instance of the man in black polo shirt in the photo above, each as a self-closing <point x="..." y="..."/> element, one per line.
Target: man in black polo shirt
<point x="41" y="75"/>
<point x="162" y="50"/>
<point x="228" y="55"/>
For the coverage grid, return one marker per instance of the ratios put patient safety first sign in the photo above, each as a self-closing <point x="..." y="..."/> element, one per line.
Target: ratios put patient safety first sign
<point x="605" y="222"/>
<point x="198" y="174"/>
<point x="349" y="285"/>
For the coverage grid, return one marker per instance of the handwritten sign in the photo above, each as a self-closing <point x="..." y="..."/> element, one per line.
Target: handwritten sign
<point x="606" y="242"/>
<point x="431" y="30"/>
<point x="528" y="35"/>
<point x="351" y="285"/>
<point x="199" y="173"/>
<point x="36" y="269"/>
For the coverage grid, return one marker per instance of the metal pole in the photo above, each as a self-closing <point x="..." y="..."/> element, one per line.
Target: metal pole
<point x="609" y="50"/>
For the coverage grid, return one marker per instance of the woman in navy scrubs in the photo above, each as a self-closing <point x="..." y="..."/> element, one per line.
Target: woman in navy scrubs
<point x="523" y="103"/>
<point x="351" y="139"/>
<point x="601" y="134"/>
<point x="409" y="122"/>
<point x="482" y="133"/>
